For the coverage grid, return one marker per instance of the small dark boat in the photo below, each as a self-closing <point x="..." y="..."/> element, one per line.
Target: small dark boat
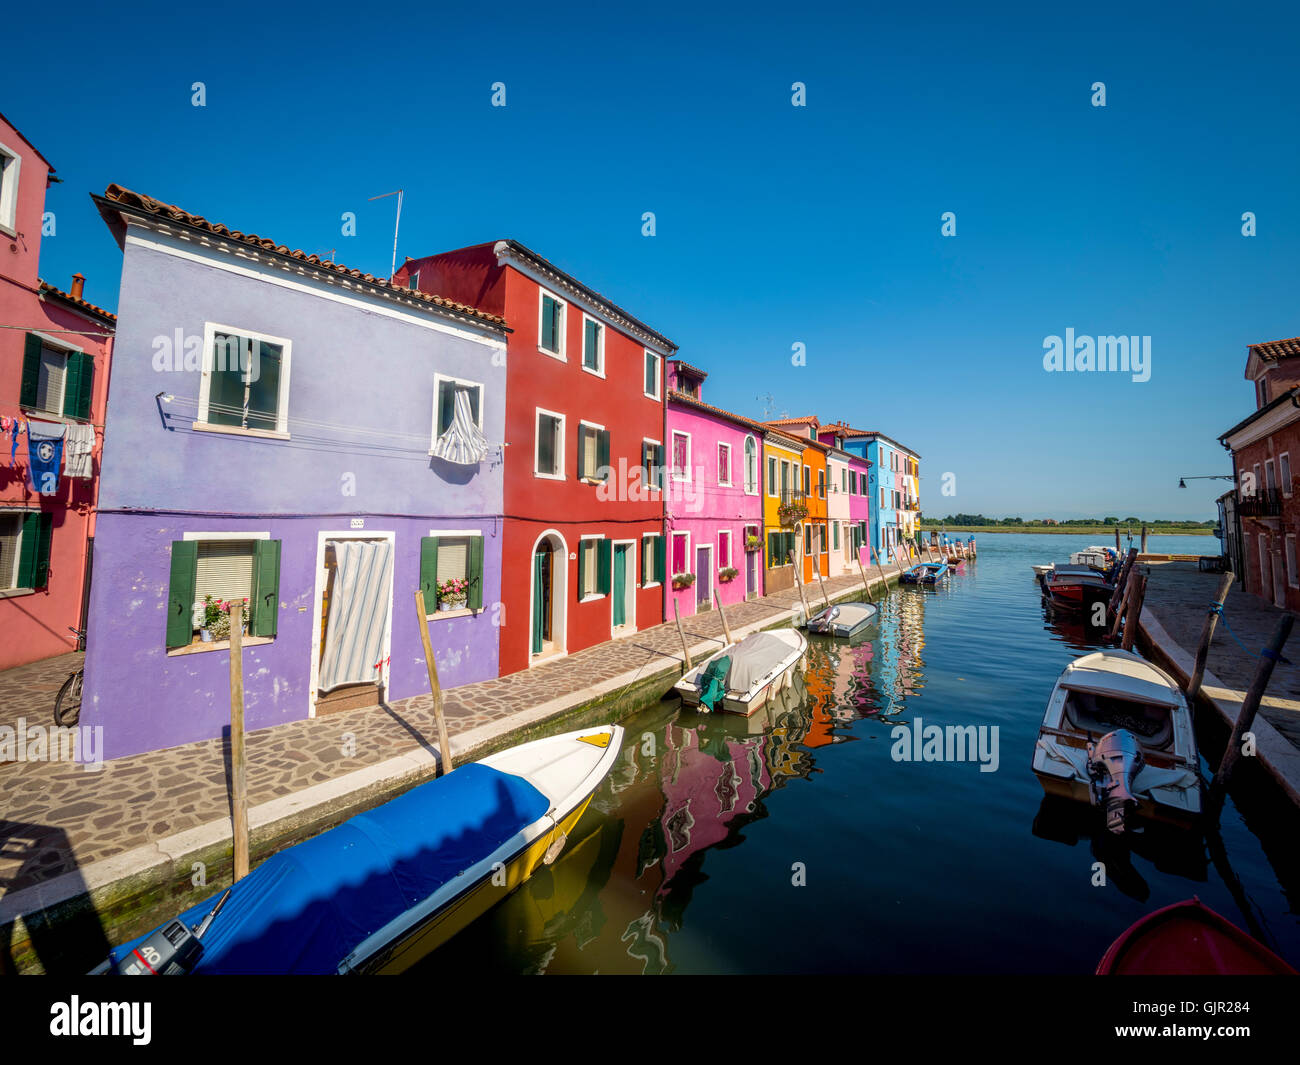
<point x="925" y="573"/>
<point x="1189" y="939"/>
<point x="843" y="619"/>
<point x="1076" y="587"/>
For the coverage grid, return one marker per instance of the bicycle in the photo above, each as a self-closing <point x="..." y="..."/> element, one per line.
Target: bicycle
<point x="67" y="704"/>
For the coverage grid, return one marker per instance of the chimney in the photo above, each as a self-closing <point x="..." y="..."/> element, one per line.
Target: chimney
<point x="78" y="283"/>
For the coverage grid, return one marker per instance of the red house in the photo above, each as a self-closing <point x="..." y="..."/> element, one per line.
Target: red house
<point x="583" y="557"/>
<point x="54" y="364"/>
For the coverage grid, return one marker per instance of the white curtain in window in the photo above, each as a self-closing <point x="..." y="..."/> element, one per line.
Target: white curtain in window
<point x="463" y="443"/>
<point x="357" y="628"/>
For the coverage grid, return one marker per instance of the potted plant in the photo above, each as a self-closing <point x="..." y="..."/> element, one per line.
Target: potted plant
<point x="219" y="627"/>
<point x="683" y="580"/>
<point x="727" y="574"/>
<point x="207" y="617"/>
<point x="789" y="513"/>
<point x="753" y="543"/>
<point x="453" y="593"/>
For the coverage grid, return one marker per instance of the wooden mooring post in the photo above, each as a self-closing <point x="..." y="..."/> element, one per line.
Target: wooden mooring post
<point x="238" y="763"/>
<point x="1118" y="549"/>
<point x="883" y="579"/>
<point x="1144" y="538"/>
<point x="1246" y="718"/>
<point x="1134" y="612"/>
<point x="726" y="629"/>
<point x="1207" y="634"/>
<point x="686" y="652"/>
<point x="866" y="584"/>
<point x="1121" y="582"/>
<point x="798" y="580"/>
<point x="817" y="569"/>
<point x="444" y="744"/>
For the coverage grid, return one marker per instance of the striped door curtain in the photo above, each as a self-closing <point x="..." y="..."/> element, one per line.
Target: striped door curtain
<point x="357" y="631"/>
<point x="462" y="443"/>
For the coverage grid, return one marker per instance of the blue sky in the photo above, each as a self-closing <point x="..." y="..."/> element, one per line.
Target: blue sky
<point x="775" y="225"/>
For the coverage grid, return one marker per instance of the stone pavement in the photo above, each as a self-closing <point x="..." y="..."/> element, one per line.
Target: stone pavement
<point x="57" y="818"/>
<point x="1178" y="593"/>
<point x="29" y="691"/>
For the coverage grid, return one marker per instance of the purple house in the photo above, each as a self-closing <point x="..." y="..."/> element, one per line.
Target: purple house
<point x="302" y="436"/>
<point x="714" y="500"/>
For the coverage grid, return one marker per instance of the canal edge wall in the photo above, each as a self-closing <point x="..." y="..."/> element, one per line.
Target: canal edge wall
<point x="1274" y="752"/>
<point x="127" y="894"/>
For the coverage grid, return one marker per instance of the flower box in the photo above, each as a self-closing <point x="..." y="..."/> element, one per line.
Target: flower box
<point x="727" y="574"/>
<point x="753" y="543"/>
<point x="789" y="513"/>
<point x="683" y="580"/>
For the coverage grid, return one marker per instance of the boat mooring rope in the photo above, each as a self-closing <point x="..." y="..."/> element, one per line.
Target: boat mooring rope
<point x="1217" y="608"/>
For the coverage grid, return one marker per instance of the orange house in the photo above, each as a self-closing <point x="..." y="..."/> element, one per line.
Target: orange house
<point x="812" y="544"/>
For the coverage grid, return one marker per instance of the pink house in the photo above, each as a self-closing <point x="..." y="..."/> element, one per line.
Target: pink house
<point x="54" y="365"/>
<point x="714" y="498"/>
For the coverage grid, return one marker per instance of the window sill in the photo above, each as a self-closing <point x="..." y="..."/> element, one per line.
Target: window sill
<point x="237" y="430"/>
<point x="218" y="645"/>
<point x="549" y="476"/>
<point x="558" y="356"/>
<point x="14" y="593"/>
<point x="653" y="584"/>
<point x="592" y="598"/>
<point x="447" y="615"/>
<point x="594" y="373"/>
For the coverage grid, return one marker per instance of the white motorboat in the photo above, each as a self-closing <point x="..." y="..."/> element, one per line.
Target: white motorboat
<point x="1118" y="734"/>
<point x="743" y="676"/>
<point x="843" y="619"/>
<point x="1043" y="571"/>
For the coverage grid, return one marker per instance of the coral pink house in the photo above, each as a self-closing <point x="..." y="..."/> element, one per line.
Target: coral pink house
<point x="54" y="370"/>
<point x="714" y="497"/>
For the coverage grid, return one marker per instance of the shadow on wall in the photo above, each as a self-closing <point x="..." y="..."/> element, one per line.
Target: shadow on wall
<point x="68" y="937"/>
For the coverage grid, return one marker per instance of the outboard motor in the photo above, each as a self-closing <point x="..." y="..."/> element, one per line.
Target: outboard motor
<point x="173" y="950"/>
<point x="1114" y="762"/>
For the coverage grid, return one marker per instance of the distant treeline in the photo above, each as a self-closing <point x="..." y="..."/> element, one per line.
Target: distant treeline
<point x="1052" y="523"/>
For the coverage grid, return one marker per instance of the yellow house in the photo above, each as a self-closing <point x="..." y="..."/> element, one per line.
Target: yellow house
<point x="782" y="487"/>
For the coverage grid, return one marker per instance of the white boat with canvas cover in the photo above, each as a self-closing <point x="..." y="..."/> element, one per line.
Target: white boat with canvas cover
<point x="1118" y="733"/>
<point x="743" y="676"/>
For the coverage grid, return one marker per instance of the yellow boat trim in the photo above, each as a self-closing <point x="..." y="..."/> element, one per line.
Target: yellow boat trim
<point x="599" y="739"/>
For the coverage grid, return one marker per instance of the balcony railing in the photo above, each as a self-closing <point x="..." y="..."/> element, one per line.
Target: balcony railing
<point x="1265" y="504"/>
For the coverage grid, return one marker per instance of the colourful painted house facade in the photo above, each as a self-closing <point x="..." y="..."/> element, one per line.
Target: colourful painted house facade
<point x="812" y="529"/>
<point x="55" y="356"/>
<point x="280" y="428"/>
<point x="893" y="479"/>
<point x="583" y="554"/>
<point x="714" y="498"/>
<point x="782" y="490"/>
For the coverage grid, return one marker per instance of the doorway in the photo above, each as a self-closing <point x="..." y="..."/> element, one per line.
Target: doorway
<point x="703" y="575"/>
<point x="623" y="587"/>
<point x="549" y="571"/>
<point x="353" y="622"/>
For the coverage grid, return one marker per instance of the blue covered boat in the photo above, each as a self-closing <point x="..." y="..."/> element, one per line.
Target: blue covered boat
<point x="385" y="888"/>
<point x="925" y="573"/>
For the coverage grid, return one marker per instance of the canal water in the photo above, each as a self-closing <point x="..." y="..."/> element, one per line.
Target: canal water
<point x="794" y="841"/>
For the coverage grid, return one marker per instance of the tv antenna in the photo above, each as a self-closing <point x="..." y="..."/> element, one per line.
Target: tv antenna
<point x="399" y="193"/>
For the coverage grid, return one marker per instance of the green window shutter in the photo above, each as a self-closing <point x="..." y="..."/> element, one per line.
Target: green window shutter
<point x="265" y="608"/>
<point x="34" y="550"/>
<point x="602" y="454"/>
<point x="583" y="547"/>
<point x="548" y="323"/>
<point x="604" y="565"/>
<point x="659" y="463"/>
<point x="31" y="379"/>
<point x="180" y="592"/>
<point x="429" y="572"/>
<point x="661" y="559"/>
<point x="475" y="573"/>
<point x="86" y="386"/>
<point x="646" y="559"/>
<point x="72" y="384"/>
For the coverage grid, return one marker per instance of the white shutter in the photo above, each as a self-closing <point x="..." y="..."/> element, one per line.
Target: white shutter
<point x="225" y="570"/>
<point x="49" y="382"/>
<point x="11" y="526"/>
<point x="453" y="558"/>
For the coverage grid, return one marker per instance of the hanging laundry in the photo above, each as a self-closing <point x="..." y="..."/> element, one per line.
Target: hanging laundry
<point x="45" y="456"/>
<point x="13" y="448"/>
<point x="80" y="444"/>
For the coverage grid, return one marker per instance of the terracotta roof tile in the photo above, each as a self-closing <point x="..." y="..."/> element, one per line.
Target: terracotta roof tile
<point x="1277" y="349"/>
<point x="90" y="308"/>
<point x="116" y="194"/>
<point x="682" y="364"/>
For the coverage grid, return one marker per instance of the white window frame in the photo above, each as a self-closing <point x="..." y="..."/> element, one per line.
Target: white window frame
<point x="672" y="456"/>
<point x="235" y="537"/>
<point x="1284" y="480"/>
<point x="650" y="556"/>
<point x="562" y="354"/>
<point x="1289" y="558"/>
<point x="731" y="560"/>
<point x="67" y="349"/>
<point x="591" y="597"/>
<point x="281" y="430"/>
<point x="560" y="447"/>
<point x="600" y="347"/>
<point x="758" y="465"/>
<point x="728" y="482"/>
<point x="10" y="175"/>
<point x="690" y="561"/>
<point x="599" y="429"/>
<point x="773" y="476"/>
<point x="657" y="394"/>
<point x="653" y="485"/>
<point x="438" y="378"/>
